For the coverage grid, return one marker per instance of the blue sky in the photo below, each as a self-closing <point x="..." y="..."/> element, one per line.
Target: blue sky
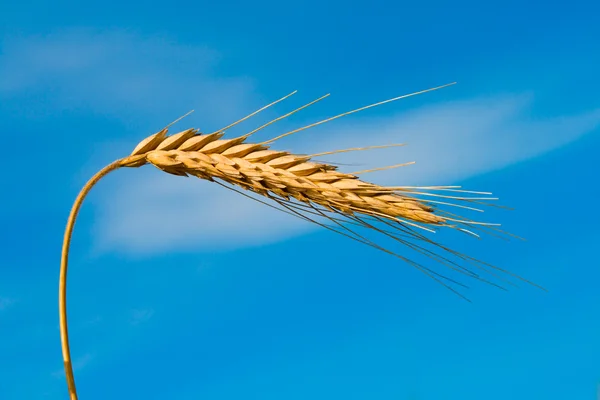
<point x="172" y="296"/>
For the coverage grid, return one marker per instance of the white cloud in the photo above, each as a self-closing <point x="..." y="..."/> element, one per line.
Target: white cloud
<point x="79" y="363"/>
<point x="151" y="212"/>
<point x="454" y="141"/>
<point x="158" y="212"/>
<point x="119" y="73"/>
<point x="139" y="316"/>
<point x="147" y="212"/>
<point x="6" y="302"/>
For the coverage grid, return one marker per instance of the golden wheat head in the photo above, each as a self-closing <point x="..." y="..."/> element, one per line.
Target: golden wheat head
<point x="311" y="190"/>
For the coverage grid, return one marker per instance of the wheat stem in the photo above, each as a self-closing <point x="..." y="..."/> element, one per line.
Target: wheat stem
<point x="62" y="285"/>
<point x="306" y="189"/>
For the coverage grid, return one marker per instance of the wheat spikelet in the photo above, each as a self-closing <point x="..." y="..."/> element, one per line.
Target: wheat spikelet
<point x="270" y="172"/>
<point x="314" y="191"/>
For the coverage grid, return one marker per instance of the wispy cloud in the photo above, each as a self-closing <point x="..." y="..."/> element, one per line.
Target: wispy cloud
<point x="153" y="212"/>
<point x="6" y="302"/>
<point x="118" y="73"/>
<point x="139" y="316"/>
<point x="162" y="213"/>
<point x="456" y="140"/>
<point x="79" y="363"/>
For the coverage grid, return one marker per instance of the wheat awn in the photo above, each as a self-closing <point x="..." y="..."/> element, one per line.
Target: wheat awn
<point x="314" y="191"/>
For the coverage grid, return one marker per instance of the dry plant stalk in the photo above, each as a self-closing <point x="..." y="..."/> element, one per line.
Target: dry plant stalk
<point x="311" y="190"/>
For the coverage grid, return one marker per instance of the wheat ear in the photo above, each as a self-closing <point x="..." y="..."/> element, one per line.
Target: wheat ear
<point x="310" y="190"/>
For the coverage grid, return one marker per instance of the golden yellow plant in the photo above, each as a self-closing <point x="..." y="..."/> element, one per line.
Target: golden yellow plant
<point x="311" y="190"/>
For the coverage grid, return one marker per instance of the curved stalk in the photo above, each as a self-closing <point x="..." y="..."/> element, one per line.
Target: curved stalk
<point x="62" y="285"/>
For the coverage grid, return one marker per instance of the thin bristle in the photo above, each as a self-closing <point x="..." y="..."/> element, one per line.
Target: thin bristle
<point x="179" y="119"/>
<point x="355" y="111"/>
<point x="310" y="189"/>
<point x="364" y="171"/>
<point x="255" y="112"/>
<point x="316" y="192"/>
<point x="385" y="146"/>
<point x="444" y="188"/>
<point x="285" y="116"/>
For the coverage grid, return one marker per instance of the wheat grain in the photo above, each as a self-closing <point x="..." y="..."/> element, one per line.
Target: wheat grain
<point x="312" y="190"/>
